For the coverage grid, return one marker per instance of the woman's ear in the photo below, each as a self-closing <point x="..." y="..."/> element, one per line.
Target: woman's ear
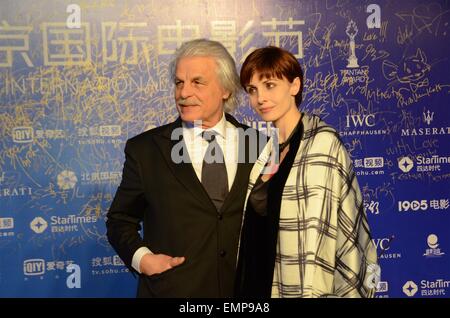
<point x="295" y="86"/>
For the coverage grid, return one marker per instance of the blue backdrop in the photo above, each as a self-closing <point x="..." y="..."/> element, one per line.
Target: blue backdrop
<point x="76" y="81"/>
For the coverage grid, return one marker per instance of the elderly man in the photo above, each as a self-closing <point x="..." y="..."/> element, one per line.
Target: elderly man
<point x="191" y="209"/>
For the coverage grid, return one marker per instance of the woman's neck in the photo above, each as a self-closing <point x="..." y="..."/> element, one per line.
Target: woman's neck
<point x="287" y="123"/>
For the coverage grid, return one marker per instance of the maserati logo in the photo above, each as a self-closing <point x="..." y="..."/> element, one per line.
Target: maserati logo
<point x="428" y="117"/>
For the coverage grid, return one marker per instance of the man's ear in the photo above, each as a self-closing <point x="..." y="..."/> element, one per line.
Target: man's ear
<point x="226" y="95"/>
<point x="295" y="86"/>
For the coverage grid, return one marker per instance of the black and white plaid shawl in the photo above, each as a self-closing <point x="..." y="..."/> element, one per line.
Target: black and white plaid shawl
<point x="324" y="246"/>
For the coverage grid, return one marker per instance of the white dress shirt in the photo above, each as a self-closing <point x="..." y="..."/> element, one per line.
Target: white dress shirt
<point x="227" y="138"/>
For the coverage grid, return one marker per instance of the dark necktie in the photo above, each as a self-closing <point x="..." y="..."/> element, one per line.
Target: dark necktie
<point x="214" y="171"/>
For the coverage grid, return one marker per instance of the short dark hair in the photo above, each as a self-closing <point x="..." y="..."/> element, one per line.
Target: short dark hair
<point x="272" y="61"/>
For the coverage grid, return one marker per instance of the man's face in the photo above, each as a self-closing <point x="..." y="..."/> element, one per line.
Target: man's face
<point x="199" y="95"/>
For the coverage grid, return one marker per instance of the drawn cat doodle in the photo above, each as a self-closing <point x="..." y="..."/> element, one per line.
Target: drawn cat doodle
<point x="412" y="68"/>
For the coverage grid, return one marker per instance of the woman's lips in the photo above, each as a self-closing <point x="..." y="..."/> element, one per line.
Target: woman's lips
<point x="265" y="109"/>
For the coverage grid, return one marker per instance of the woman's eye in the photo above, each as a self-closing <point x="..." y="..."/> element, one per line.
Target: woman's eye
<point x="270" y="85"/>
<point x="251" y="90"/>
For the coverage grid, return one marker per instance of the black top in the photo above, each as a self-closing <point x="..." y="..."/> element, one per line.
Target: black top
<point x="260" y="230"/>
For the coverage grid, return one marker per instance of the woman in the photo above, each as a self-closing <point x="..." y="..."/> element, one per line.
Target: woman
<point x="304" y="233"/>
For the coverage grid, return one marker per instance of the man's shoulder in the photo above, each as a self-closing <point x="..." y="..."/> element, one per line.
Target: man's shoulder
<point x="249" y="133"/>
<point x="147" y="135"/>
<point x="241" y="126"/>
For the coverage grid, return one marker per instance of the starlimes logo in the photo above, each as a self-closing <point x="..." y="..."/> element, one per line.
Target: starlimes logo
<point x="405" y="164"/>
<point x="410" y="288"/>
<point x="66" y="180"/>
<point x="38" y="225"/>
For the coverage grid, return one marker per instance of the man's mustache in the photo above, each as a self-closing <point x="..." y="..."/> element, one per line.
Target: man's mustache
<point x="187" y="102"/>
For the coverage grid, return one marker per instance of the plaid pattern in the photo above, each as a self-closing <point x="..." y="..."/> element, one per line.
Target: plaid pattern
<point x="324" y="245"/>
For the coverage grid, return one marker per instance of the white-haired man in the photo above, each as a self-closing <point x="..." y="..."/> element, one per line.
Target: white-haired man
<point x="191" y="209"/>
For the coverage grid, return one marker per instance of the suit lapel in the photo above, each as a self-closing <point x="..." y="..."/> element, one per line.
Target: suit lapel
<point x="183" y="171"/>
<point x="241" y="180"/>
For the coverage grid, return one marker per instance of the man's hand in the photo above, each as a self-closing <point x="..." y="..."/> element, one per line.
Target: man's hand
<point x="157" y="263"/>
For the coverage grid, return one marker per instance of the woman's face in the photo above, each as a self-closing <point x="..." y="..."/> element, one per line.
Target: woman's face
<point x="272" y="97"/>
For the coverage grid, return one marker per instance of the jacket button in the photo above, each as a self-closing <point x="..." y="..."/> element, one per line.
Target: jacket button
<point x="222" y="253"/>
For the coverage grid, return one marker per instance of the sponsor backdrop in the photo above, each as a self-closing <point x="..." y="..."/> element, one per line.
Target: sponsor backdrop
<point x="78" y="78"/>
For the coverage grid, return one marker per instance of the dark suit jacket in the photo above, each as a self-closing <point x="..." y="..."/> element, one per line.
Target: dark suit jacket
<point x="179" y="218"/>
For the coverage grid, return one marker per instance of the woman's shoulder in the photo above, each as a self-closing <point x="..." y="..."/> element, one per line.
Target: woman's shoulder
<point x="317" y="130"/>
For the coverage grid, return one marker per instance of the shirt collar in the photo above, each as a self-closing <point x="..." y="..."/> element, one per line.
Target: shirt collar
<point x="197" y="130"/>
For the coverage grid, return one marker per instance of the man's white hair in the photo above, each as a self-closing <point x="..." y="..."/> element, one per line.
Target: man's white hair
<point x="226" y="68"/>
